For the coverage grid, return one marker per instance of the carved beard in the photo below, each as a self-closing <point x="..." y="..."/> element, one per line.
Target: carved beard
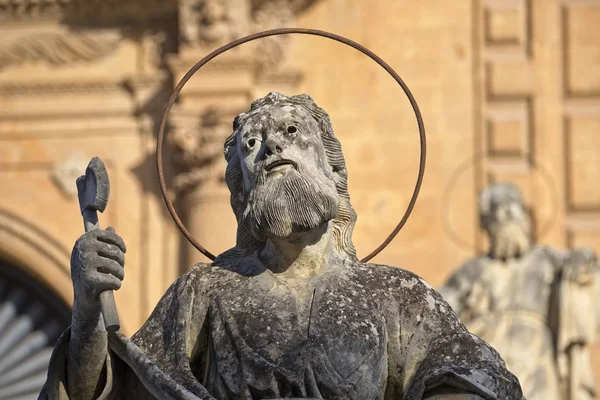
<point x="292" y="203"/>
<point x="509" y="239"/>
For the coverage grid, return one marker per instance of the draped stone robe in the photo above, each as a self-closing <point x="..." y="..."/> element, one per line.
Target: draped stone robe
<point x="363" y="332"/>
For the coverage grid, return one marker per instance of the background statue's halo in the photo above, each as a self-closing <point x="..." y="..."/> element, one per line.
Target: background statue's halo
<point x="462" y="168"/>
<point x="286" y="31"/>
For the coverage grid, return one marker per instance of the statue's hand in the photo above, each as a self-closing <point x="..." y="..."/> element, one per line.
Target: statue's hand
<point x="97" y="265"/>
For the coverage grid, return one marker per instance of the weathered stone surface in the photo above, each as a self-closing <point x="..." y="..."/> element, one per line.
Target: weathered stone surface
<point x="289" y="312"/>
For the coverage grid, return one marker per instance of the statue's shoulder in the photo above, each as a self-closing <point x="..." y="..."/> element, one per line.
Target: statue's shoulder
<point x="210" y="273"/>
<point x="550" y="253"/>
<point x="202" y="277"/>
<point x="198" y="272"/>
<point x="412" y="294"/>
<point x="387" y="271"/>
<point x="476" y="263"/>
<point x="396" y="280"/>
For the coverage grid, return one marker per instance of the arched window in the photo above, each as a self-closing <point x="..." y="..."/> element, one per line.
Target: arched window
<point x="31" y="320"/>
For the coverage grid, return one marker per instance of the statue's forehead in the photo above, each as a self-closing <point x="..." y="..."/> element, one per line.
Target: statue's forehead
<point x="503" y="195"/>
<point x="277" y="112"/>
<point x="270" y="115"/>
<point x="506" y="201"/>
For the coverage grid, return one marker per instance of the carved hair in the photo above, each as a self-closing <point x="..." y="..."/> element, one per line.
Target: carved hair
<point x="344" y="221"/>
<point x="494" y="195"/>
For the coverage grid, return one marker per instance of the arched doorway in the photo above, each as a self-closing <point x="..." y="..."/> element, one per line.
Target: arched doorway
<point x="31" y="320"/>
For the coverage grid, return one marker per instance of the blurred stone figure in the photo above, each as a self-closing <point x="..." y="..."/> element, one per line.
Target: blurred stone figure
<point x="535" y="305"/>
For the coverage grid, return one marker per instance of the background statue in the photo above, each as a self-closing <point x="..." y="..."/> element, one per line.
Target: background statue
<point x="535" y="305"/>
<point x="289" y="312"/>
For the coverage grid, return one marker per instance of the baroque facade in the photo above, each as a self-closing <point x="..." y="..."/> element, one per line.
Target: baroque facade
<point x="509" y="90"/>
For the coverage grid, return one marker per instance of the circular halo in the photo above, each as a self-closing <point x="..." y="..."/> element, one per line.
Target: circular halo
<point x="286" y="31"/>
<point x="453" y="182"/>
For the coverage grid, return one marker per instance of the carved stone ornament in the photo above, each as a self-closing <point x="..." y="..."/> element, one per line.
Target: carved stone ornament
<point x="58" y="47"/>
<point x="212" y="23"/>
<point x="67" y="170"/>
<point x="97" y="11"/>
<point x="197" y="144"/>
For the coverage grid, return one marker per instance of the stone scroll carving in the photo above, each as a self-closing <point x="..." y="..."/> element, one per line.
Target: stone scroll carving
<point x="58" y="47"/>
<point x="67" y="170"/>
<point x="211" y="23"/>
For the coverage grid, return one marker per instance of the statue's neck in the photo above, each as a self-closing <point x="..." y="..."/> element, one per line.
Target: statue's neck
<point x="301" y="256"/>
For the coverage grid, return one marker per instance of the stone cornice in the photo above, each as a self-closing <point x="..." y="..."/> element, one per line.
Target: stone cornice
<point x="74" y="87"/>
<point x="82" y="11"/>
<point x="230" y="61"/>
<point x="37" y="88"/>
<point x="281" y="77"/>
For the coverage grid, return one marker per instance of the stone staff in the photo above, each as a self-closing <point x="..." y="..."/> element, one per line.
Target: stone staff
<point x="93" y="190"/>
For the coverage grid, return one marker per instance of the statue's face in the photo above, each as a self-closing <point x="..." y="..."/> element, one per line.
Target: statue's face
<point x="508" y="212"/>
<point x="289" y="186"/>
<point x="509" y="229"/>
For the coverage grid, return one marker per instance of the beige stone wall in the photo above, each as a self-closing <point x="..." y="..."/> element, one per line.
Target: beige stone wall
<point x="508" y="89"/>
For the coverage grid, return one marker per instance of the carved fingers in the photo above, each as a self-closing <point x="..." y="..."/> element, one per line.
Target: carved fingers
<point x="97" y="264"/>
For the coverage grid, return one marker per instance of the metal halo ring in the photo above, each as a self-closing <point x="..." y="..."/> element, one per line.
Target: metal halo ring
<point x="285" y="31"/>
<point x="545" y="175"/>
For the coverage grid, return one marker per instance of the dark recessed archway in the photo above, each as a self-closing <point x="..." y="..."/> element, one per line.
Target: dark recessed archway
<point x="31" y="320"/>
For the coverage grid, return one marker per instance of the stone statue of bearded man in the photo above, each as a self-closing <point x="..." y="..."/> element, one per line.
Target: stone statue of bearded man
<point x="289" y="312"/>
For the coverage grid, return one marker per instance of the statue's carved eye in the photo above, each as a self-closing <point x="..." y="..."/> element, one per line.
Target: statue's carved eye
<point x="251" y="143"/>
<point x="291" y="129"/>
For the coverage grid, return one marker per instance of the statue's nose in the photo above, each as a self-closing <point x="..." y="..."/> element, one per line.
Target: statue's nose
<point x="273" y="145"/>
<point x="515" y="211"/>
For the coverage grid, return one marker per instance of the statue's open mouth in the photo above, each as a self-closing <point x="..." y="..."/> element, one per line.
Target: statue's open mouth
<point x="280" y="164"/>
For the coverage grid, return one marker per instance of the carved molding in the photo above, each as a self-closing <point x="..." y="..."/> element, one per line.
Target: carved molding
<point x="91" y="86"/>
<point x="58" y="47"/>
<point x="581" y="119"/>
<point x="96" y="11"/>
<point x="24" y="243"/>
<point x="281" y="77"/>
